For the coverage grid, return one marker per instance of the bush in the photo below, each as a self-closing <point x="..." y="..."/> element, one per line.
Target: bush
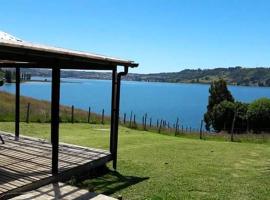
<point x="258" y="115"/>
<point x="222" y="116"/>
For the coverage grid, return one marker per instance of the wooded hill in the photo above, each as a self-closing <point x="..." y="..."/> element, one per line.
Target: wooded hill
<point x="233" y="75"/>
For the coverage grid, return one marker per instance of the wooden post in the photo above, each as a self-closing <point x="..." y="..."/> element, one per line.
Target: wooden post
<point x="55" y="118"/>
<point x="145" y="121"/>
<point x="117" y="105"/>
<point x="157" y="123"/>
<point x="113" y="110"/>
<point x="28" y="113"/>
<point x="160" y="125"/>
<point x="134" y="120"/>
<point x="150" y="122"/>
<point x="102" y="117"/>
<point x="233" y="122"/>
<point x="17" y="104"/>
<point x="72" y="114"/>
<point x="201" y="129"/>
<point x="176" y="126"/>
<point x="124" y="118"/>
<point x="89" y="115"/>
<point x="130" y="119"/>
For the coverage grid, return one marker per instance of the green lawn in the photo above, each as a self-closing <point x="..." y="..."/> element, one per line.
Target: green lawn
<point x="154" y="166"/>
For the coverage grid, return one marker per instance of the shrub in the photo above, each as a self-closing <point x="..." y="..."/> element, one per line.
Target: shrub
<point x="258" y="115"/>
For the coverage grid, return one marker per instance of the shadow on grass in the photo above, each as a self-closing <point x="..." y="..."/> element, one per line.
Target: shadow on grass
<point x="106" y="181"/>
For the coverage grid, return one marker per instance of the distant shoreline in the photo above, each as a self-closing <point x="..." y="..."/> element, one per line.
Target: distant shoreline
<point x="193" y="83"/>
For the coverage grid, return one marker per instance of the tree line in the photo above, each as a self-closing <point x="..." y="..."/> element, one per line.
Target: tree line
<point x="224" y="113"/>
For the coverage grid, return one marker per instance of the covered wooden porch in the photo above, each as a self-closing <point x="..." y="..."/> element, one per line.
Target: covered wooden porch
<point x="28" y="163"/>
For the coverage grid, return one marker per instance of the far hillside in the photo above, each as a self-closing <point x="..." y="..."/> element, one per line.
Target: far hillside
<point x="233" y="75"/>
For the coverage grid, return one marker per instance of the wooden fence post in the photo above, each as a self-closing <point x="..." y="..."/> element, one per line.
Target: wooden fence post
<point x="130" y="119"/>
<point x="89" y="115"/>
<point x="201" y="129"/>
<point x="150" y="122"/>
<point x="102" y="117"/>
<point x="72" y="114"/>
<point x="176" y="126"/>
<point x="233" y="122"/>
<point x="124" y="118"/>
<point x="28" y="113"/>
<point x="145" y="121"/>
<point x="160" y="125"/>
<point x="134" y="120"/>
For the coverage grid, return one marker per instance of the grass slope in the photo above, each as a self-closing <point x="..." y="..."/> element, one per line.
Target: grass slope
<point x="40" y="111"/>
<point x="154" y="166"/>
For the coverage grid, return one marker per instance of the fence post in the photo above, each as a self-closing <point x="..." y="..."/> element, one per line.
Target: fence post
<point x="134" y="120"/>
<point x="72" y="114"/>
<point x="130" y="119"/>
<point x="176" y="126"/>
<point x="201" y="129"/>
<point x="145" y="120"/>
<point x="28" y="113"/>
<point x="157" y="123"/>
<point x="89" y="114"/>
<point x="124" y="118"/>
<point x="102" y="117"/>
<point x="150" y="122"/>
<point x="233" y="122"/>
<point x="160" y="125"/>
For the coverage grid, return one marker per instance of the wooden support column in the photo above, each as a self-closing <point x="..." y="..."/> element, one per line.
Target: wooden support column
<point x="117" y="106"/>
<point x="113" y="108"/>
<point x="55" y="103"/>
<point x="17" y="104"/>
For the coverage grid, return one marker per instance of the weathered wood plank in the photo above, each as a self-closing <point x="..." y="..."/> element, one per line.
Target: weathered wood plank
<point x="26" y="164"/>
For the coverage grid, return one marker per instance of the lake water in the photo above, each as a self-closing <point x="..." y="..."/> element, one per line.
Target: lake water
<point x="159" y="100"/>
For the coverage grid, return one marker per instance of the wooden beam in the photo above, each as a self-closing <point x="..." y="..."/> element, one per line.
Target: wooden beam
<point x="17" y="104"/>
<point x="116" y="123"/>
<point x="113" y="109"/>
<point x="55" y="103"/>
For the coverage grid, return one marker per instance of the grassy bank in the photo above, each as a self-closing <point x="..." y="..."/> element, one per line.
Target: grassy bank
<point x="40" y="111"/>
<point x="156" y="166"/>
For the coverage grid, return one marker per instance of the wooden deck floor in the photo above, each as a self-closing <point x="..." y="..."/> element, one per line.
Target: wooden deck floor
<point x="26" y="164"/>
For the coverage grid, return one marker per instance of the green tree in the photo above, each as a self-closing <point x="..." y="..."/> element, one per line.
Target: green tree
<point x="258" y="115"/>
<point x="222" y="115"/>
<point x="218" y="93"/>
<point x="241" y="116"/>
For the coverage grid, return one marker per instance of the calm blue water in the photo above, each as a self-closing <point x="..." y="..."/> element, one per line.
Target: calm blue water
<point x="160" y="100"/>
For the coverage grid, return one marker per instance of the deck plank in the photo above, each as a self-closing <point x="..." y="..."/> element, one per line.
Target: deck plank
<point x="26" y="164"/>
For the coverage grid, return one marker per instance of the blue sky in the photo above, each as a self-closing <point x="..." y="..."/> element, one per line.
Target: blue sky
<point x="162" y="35"/>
